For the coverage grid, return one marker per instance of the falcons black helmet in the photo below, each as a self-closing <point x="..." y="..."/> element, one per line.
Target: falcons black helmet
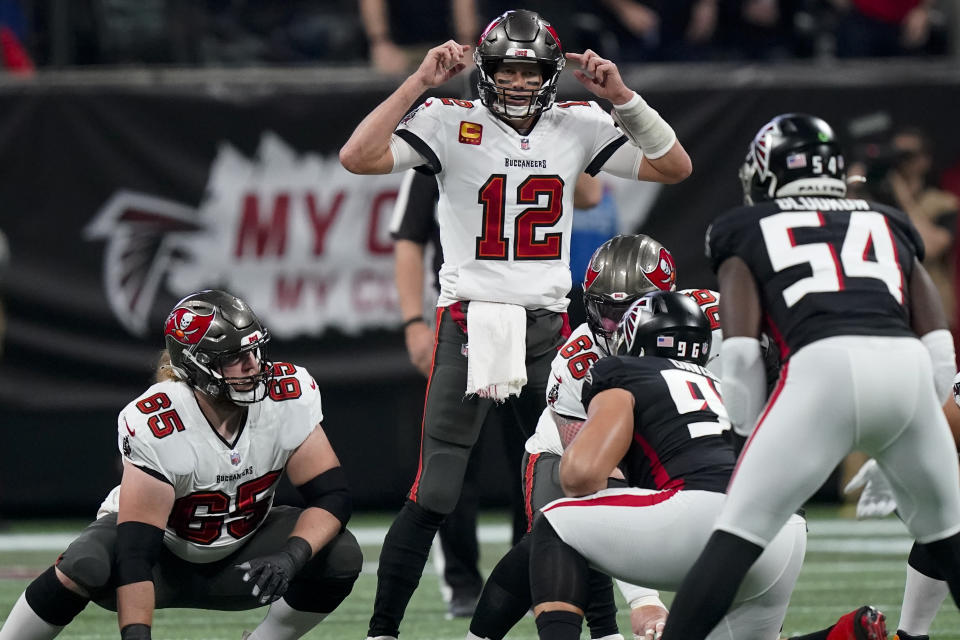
<point x="518" y="36"/>
<point x="794" y="154"/>
<point x="211" y="329"/>
<point x="620" y="271"/>
<point x="667" y="324"/>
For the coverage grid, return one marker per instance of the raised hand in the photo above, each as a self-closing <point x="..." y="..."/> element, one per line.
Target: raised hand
<point x="442" y="63"/>
<point x="600" y="76"/>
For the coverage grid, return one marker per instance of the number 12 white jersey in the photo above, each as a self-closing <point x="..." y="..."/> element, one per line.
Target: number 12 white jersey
<point x="506" y="199"/>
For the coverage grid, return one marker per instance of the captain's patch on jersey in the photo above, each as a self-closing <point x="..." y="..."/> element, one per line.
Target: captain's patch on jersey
<point x="470" y="132"/>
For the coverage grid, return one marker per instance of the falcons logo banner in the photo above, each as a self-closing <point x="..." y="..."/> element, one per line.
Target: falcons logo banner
<point x="300" y="239"/>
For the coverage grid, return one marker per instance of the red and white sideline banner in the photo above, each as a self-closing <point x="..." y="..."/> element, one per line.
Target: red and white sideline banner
<point x="303" y="241"/>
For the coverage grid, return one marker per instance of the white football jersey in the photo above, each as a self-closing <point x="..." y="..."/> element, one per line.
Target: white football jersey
<point x="223" y="490"/>
<point x="567" y="373"/>
<point x="506" y="199"/>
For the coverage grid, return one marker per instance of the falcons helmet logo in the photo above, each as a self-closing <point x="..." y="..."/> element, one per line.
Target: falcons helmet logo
<point x="144" y="239"/>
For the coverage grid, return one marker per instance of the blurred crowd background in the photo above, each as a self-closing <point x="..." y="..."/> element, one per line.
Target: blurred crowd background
<point x="389" y="33"/>
<point x="152" y="147"/>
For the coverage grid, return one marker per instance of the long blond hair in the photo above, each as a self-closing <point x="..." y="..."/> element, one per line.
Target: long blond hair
<point x="165" y="372"/>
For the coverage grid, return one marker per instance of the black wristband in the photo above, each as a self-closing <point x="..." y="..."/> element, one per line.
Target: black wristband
<point x="413" y="320"/>
<point x="300" y="551"/>
<point x="137" y="631"/>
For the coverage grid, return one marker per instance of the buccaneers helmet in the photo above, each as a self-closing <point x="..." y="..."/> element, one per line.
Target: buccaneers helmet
<point x="210" y="329"/>
<point x="522" y="36"/>
<point x="667" y="324"/>
<point x="794" y="154"/>
<point x="621" y="270"/>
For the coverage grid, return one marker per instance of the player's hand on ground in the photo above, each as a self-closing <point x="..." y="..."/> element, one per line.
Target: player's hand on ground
<point x="442" y="63"/>
<point x="419" y="338"/>
<point x="600" y="76"/>
<point x="877" y="499"/>
<point x="648" y="621"/>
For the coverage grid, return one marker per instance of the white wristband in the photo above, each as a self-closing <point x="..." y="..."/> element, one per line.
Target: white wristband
<point x="643" y="125"/>
<point x="744" y="382"/>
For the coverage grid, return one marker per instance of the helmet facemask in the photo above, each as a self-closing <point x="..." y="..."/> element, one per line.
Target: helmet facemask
<point x="497" y="98"/>
<point x="242" y="390"/>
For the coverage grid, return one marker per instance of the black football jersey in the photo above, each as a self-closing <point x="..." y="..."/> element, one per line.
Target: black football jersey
<point x="825" y="266"/>
<point x="679" y="424"/>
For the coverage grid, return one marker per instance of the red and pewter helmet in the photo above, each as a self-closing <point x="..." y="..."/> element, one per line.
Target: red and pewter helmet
<point x="623" y="269"/>
<point x="210" y="329"/>
<point x="518" y="36"/>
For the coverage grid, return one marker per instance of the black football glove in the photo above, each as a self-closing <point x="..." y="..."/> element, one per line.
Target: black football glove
<point x="271" y="574"/>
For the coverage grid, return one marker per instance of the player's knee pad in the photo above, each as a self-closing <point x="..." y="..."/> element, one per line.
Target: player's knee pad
<point x="345" y="560"/>
<point x="437" y="492"/>
<point x="90" y="569"/>
<point x="52" y="601"/>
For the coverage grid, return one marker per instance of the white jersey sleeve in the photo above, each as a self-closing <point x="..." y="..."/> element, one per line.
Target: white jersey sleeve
<point x="147" y="430"/>
<point x="596" y="130"/>
<point x="423" y="129"/>
<point x="301" y="411"/>
<point x="567" y="374"/>
<point x="569" y="370"/>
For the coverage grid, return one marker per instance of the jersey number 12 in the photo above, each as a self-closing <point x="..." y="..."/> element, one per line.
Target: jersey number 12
<point x="492" y="245"/>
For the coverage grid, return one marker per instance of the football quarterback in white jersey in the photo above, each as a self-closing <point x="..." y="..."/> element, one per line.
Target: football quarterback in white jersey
<point x="506" y="165"/>
<point x="192" y="523"/>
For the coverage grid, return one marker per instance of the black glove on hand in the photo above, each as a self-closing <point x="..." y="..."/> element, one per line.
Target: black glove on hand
<point x="272" y="574"/>
<point x="135" y="632"/>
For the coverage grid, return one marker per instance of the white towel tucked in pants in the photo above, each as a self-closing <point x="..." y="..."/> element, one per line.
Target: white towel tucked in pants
<point x="496" y="349"/>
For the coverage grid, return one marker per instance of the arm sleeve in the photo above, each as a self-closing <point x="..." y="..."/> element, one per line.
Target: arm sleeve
<point x="624" y="162"/>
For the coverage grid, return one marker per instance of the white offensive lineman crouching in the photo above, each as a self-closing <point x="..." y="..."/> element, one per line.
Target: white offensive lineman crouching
<point x="192" y="523"/>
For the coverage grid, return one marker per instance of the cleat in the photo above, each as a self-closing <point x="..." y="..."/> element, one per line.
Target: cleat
<point x="903" y="635"/>
<point x="865" y="623"/>
<point x="869" y="624"/>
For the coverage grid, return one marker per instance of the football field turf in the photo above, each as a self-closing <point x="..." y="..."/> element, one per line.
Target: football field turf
<point x="848" y="563"/>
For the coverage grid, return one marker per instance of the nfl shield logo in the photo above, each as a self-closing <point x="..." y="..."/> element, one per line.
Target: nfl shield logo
<point x="525" y="144"/>
<point x="235" y="457"/>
